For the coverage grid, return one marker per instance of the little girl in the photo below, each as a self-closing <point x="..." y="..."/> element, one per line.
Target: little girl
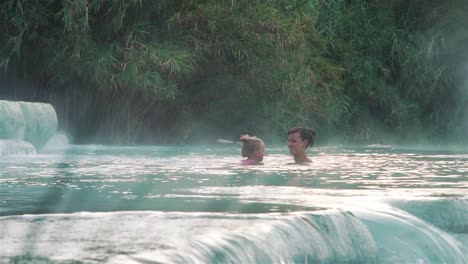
<point x="253" y="149"/>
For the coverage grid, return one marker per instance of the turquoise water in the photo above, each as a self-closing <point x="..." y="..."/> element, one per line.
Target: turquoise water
<point x="95" y="204"/>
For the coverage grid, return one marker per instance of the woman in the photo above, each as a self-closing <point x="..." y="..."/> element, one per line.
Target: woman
<point x="299" y="139"/>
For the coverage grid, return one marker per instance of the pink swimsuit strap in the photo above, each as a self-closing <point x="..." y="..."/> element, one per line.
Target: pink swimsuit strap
<point x="248" y="162"/>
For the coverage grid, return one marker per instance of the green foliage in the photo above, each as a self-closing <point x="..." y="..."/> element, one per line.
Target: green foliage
<point x="264" y="64"/>
<point x="364" y="68"/>
<point x="398" y="75"/>
<point x="106" y="44"/>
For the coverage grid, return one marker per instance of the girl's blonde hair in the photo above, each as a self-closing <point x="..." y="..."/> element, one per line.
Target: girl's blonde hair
<point x="249" y="145"/>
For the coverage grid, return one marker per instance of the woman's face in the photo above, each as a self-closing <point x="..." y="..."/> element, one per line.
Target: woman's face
<point x="295" y="143"/>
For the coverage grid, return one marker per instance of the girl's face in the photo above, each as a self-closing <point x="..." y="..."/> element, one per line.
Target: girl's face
<point x="295" y="143"/>
<point x="259" y="153"/>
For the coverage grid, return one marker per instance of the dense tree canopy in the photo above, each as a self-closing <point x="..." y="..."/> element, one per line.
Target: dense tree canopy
<point x="130" y="71"/>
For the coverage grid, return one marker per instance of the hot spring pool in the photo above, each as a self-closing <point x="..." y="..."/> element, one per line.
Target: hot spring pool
<point x="195" y="204"/>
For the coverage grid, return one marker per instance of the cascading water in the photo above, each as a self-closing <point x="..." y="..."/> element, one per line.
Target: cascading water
<point x="12" y="120"/>
<point x="449" y="214"/>
<point x="16" y="147"/>
<point x="23" y="124"/>
<point x="404" y="238"/>
<point x="324" y="237"/>
<point x="328" y="236"/>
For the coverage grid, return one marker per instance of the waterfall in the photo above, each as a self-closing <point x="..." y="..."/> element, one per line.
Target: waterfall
<point x="34" y="123"/>
<point x="319" y="237"/>
<point x="16" y="147"/>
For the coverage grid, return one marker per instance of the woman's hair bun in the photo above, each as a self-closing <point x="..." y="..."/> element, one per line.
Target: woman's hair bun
<point x="244" y="138"/>
<point x="310" y="130"/>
